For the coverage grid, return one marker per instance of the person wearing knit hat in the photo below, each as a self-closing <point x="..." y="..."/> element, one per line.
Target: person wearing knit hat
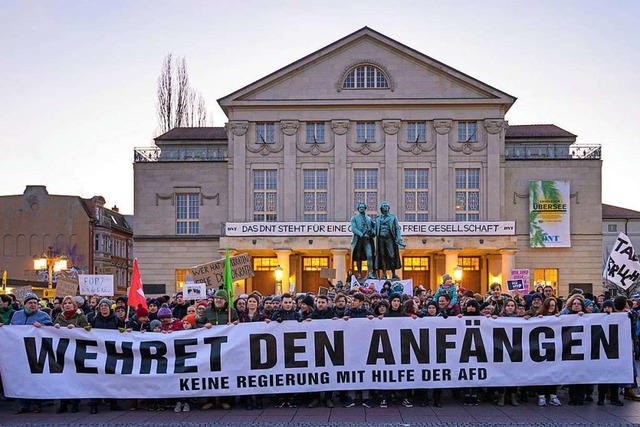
<point x="219" y="313"/>
<point x="169" y="323"/>
<point x="306" y="307"/>
<point x="607" y="306"/>
<point x="395" y="306"/>
<point x="155" y="326"/>
<point x="189" y="321"/>
<point x="140" y="322"/>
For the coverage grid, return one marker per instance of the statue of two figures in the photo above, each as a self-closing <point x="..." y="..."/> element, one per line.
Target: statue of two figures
<point x="378" y="242"/>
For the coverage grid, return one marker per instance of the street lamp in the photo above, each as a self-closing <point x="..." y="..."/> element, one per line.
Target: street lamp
<point x="278" y="274"/>
<point x="51" y="263"/>
<point x="457" y="274"/>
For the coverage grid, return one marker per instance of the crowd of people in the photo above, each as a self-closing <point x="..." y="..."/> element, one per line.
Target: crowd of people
<point x="168" y="314"/>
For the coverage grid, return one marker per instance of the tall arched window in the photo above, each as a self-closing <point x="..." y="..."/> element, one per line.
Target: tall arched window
<point x="365" y="77"/>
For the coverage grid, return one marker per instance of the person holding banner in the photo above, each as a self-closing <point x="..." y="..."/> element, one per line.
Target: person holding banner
<point x="549" y="307"/>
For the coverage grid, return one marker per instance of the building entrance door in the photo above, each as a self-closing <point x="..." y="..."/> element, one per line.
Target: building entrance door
<point x="417" y="269"/>
<point x="470" y="273"/>
<point x="264" y="280"/>
<point x="311" y="279"/>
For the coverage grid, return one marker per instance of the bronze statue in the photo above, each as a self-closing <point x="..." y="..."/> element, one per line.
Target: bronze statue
<point x="362" y="241"/>
<point x="388" y="241"/>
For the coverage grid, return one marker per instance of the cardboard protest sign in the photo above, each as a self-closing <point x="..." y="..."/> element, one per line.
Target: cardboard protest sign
<point x="21" y="291"/>
<point x="623" y="267"/>
<point x="96" y="284"/>
<point x="328" y="273"/>
<point x="194" y="291"/>
<point x="212" y="274"/>
<point x="66" y="287"/>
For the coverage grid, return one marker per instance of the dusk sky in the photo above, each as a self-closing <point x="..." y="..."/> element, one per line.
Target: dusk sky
<point x="79" y="77"/>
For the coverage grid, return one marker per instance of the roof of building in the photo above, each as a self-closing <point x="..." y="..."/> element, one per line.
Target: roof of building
<point x="537" y="131"/>
<point x="195" y="133"/>
<point x="615" y="212"/>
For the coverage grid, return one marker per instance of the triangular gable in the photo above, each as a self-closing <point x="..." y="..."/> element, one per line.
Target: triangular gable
<point x="317" y="77"/>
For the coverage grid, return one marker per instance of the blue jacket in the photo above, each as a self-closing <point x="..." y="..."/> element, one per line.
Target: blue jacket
<point x="22" y="318"/>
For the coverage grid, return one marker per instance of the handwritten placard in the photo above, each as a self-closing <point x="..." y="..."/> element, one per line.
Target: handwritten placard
<point x="66" y="287"/>
<point x="212" y="274"/>
<point x="21" y="291"/>
<point x="96" y="284"/>
<point x="328" y="273"/>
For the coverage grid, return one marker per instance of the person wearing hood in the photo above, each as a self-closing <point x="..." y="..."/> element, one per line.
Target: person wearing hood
<point x="6" y="310"/>
<point x="30" y="315"/>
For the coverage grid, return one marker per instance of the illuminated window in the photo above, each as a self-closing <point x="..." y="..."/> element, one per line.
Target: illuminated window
<point x="415" y="263"/>
<point x="467" y="195"/>
<point x="315" y="195"/>
<point x="469" y="263"/>
<point x="467" y="132"/>
<point x="188" y="213"/>
<point x="546" y="276"/>
<point x="416" y="195"/>
<point x="181" y="278"/>
<point x="265" y="195"/>
<point x="416" y="132"/>
<point x="314" y="264"/>
<point x="265" y="264"/>
<point x="365" y="77"/>
<point x="365" y="184"/>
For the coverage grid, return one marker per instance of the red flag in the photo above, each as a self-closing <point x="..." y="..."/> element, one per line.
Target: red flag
<point x="136" y="294"/>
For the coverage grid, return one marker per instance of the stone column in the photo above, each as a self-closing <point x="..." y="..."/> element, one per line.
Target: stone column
<point x="340" y="263"/>
<point x="443" y="205"/>
<point x="508" y="262"/>
<point x="451" y="260"/>
<point x="289" y="196"/>
<point x="496" y="129"/>
<point x="391" y="128"/>
<point x="341" y="197"/>
<point x="283" y="262"/>
<point x="237" y="133"/>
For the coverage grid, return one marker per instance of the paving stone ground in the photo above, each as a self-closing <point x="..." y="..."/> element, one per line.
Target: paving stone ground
<point x="453" y="413"/>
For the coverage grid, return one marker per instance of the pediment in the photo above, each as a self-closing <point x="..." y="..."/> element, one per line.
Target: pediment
<point x="413" y="77"/>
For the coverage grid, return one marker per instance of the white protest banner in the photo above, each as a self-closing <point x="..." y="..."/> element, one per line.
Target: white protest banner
<point x="549" y="220"/>
<point x="194" y="291"/>
<point x="96" y="284"/>
<point x="212" y="273"/>
<point x="407" y="285"/>
<point x="320" y="355"/>
<point x="623" y="267"/>
<point x="66" y="287"/>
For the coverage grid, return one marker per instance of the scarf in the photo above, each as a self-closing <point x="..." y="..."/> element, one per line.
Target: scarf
<point x="68" y="314"/>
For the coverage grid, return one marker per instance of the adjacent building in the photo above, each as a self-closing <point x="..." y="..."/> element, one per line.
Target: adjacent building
<point x="95" y="239"/>
<point x="368" y="119"/>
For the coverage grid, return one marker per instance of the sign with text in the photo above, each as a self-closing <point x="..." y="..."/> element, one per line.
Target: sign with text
<point x="328" y="273"/>
<point x="212" y="274"/>
<point x="320" y="355"/>
<point x="194" y="291"/>
<point x="549" y="225"/>
<point x="469" y="228"/>
<point x="623" y="266"/>
<point x="66" y="287"/>
<point x="21" y="291"/>
<point x="96" y="284"/>
<point x="514" y="285"/>
<point x="522" y="274"/>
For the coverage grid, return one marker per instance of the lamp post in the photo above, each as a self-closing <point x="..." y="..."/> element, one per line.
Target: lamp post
<point x="51" y="263"/>
<point x="457" y="274"/>
<point x="278" y="274"/>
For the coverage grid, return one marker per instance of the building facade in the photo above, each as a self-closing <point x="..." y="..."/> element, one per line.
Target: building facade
<point x="95" y="239"/>
<point x="365" y="119"/>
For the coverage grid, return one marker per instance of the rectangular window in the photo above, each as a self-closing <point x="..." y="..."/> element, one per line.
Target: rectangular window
<point x="365" y="184"/>
<point x="467" y="132"/>
<point x="467" y="195"/>
<point x="265" y="133"/>
<point x="314" y="264"/>
<point x="315" y="133"/>
<point x="365" y="132"/>
<point x="469" y="263"/>
<point x="265" y="264"/>
<point x="315" y="195"/>
<point x="612" y="228"/>
<point x="188" y="213"/>
<point x="416" y="132"/>
<point x="546" y="276"/>
<point x="265" y="195"/>
<point x="181" y="276"/>
<point x="415" y="263"/>
<point x="416" y="194"/>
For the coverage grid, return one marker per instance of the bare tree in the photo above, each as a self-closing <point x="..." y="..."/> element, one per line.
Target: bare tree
<point x="178" y="105"/>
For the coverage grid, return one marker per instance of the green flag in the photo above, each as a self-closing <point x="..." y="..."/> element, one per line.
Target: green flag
<point x="228" y="280"/>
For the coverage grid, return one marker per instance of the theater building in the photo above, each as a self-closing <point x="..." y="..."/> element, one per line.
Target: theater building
<point x="369" y="119"/>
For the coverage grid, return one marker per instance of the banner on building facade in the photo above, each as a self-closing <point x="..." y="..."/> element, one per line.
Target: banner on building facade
<point x="549" y="216"/>
<point x="466" y="228"/>
<point x="320" y="355"/>
<point x="623" y="266"/>
<point x="212" y="273"/>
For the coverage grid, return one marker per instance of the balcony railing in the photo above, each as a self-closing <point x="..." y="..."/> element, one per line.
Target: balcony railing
<point x="551" y="151"/>
<point x="155" y="154"/>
